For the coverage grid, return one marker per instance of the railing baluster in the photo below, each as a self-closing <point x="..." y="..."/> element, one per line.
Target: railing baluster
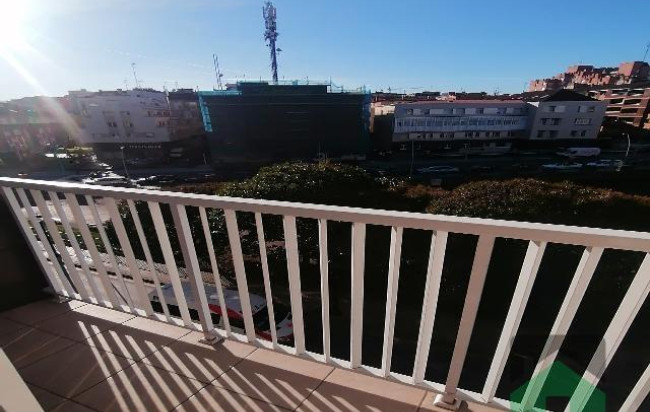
<point x="92" y="249"/>
<point x="576" y="292"/>
<point x="215" y="270"/>
<point x="148" y="257"/>
<point x="391" y="297"/>
<point x="524" y="286"/>
<point x="620" y="324"/>
<point x="50" y="273"/>
<point x="54" y="198"/>
<point x="60" y="245"/>
<point x="240" y="272"/>
<point x="429" y="303"/>
<point x="99" y="224"/>
<point x="467" y="319"/>
<point x="188" y="249"/>
<point x="356" y="311"/>
<point x="265" y="274"/>
<point x="638" y="393"/>
<point x="295" y="290"/>
<point x="324" y="286"/>
<point x="170" y="262"/>
<point x="125" y="242"/>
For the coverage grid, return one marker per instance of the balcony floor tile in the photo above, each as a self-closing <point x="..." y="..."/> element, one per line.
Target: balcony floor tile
<point x="41" y="310"/>
<point x="275" y="378"/>
<point x="140" y="388"/>
<point x="82" y="323"/>
<point x="200" y="361"/>
<point x="212" y="398"/>
<point x="73" y="370"/>
<point x="137" y="338"/>
<point x="342" y="390"/>
<point x="9" y="327"/>
<point x="28" y="345"/>
<point x="46" y="399"/>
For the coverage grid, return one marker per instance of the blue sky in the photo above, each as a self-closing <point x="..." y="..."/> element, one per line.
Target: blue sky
<point x="50" y="47"/>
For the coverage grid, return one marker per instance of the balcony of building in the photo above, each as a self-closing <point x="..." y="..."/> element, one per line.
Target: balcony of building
<point x="139" y="280"/>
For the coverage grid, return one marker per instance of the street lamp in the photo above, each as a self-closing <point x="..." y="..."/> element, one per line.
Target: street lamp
<point x="126" y="172"/>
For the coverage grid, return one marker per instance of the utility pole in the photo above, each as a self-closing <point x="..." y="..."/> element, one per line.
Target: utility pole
<point x="271" y="35"/>
<point x="135" y="76"/>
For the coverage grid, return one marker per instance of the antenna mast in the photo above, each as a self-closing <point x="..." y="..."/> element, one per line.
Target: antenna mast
<point x="271" y="35"/>
<point x="217" y="71"/>
<point x="135" y="76"/>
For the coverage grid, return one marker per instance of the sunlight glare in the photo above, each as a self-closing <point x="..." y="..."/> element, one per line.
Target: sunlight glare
<point x="13" y="14"/>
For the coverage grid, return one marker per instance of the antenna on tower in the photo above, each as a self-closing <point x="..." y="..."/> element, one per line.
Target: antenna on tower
<point x="217" y="71"/>
<point x="645" y="55"/>
<point x="135" y="76"/>
<point x="271" y="35"/>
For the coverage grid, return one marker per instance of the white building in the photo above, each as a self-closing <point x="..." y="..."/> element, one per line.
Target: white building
<point x="535" y="116"/>
<point x="137" y="120"/>
<point x="460" y="120"/>
<point x="564" y="115"/>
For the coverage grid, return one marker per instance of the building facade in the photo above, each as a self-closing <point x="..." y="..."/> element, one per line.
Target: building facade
<point x="460" y="120"/>
<point x="531" y="116"/>
<point x="31" y="127"/>
<point x="136" y="121"/>
<point x="629" y="104"/>
<point x="261" y="122"/>
<point x="581" y="76"/>
<point x="564" y="115"/>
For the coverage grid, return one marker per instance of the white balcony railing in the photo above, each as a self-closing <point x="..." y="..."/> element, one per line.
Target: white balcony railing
<point x="119" y="280"/>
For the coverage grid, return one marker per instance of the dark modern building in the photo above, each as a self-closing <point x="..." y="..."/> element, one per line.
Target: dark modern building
<point x="261" y="122"/>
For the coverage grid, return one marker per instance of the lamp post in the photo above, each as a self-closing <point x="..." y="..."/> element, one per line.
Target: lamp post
<point x="126" y="172"/>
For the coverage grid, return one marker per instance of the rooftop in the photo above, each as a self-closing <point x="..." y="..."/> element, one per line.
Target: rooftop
<point x="81" y="357"/>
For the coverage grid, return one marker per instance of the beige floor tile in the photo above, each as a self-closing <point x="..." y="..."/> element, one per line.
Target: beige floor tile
<point x="83" y="322"/>
<point x="41" y="310"/>
<point x="427" y="406"/>
<point x="137" y="338"/>
<point x="140" y="388"/>
<point x="350" y="391"/>
<point x="8" y="326"/>
<point x="73" y="370"/>
<point x="70" y="406"/>
<point x="47" y="400"/>
<point x="29" y="345"/>
<point x="196" y="360"/>
<point x="215" y="399"/>
<point x="274" y="377"/>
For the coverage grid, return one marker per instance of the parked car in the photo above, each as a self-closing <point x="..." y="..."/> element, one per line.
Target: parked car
<point x="606" y="164"/>
<point x="156" y="180"/>
<point x="580" y="152"/>
<point x="439" y="169"/>
<point x="562" y="166"/>
<point x="110" y="180"/>
<point x="261" y="322"/>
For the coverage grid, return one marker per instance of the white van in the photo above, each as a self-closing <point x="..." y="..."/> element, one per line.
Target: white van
<point x="284" y="329"/>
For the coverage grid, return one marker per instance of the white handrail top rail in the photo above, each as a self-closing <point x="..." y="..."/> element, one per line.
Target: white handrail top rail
<point x="573" y="235"/>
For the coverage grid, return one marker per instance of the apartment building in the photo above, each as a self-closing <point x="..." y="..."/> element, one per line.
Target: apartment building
<point x="136" y="121"/>
<point x="630" y="104"/>
<point x="530" y="116"/>
<point x="581" y="76"/>
<point x="460" y="120"/>
<point x="564" y="115"/>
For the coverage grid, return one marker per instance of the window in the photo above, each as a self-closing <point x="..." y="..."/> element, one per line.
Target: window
<point x="540" y="133"/>
<point x="479" y="110"/>
<point x="574" y="133"/>
<point x="552" y="133"/>
<point x="582" y="120"/>
<point x="468" y="134"/>
<point x="583" y="133"/>
<point x="586" y="109"/>
<point x="459" y="111"/>
<point x="409" y="111"/>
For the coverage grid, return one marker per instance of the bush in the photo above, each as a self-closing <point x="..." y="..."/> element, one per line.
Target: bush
<point x="537" y="201"/>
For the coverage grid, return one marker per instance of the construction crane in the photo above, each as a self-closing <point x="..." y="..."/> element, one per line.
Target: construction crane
<point x="217" y="71"/>
<point x="271" y="35"/>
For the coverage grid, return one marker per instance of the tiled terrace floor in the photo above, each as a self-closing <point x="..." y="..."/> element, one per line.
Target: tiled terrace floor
<point x="80" y="357"/>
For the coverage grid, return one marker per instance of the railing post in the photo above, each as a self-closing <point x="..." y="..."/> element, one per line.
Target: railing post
<point x="356" y="311"/>
<point x="324" y="286"/>
<point x="295" y="290"/>
<point x="261" y="241"/>
<point x="179" y="214"/>
<point x="391" y="297"/>
<point x="448" y="400"/>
